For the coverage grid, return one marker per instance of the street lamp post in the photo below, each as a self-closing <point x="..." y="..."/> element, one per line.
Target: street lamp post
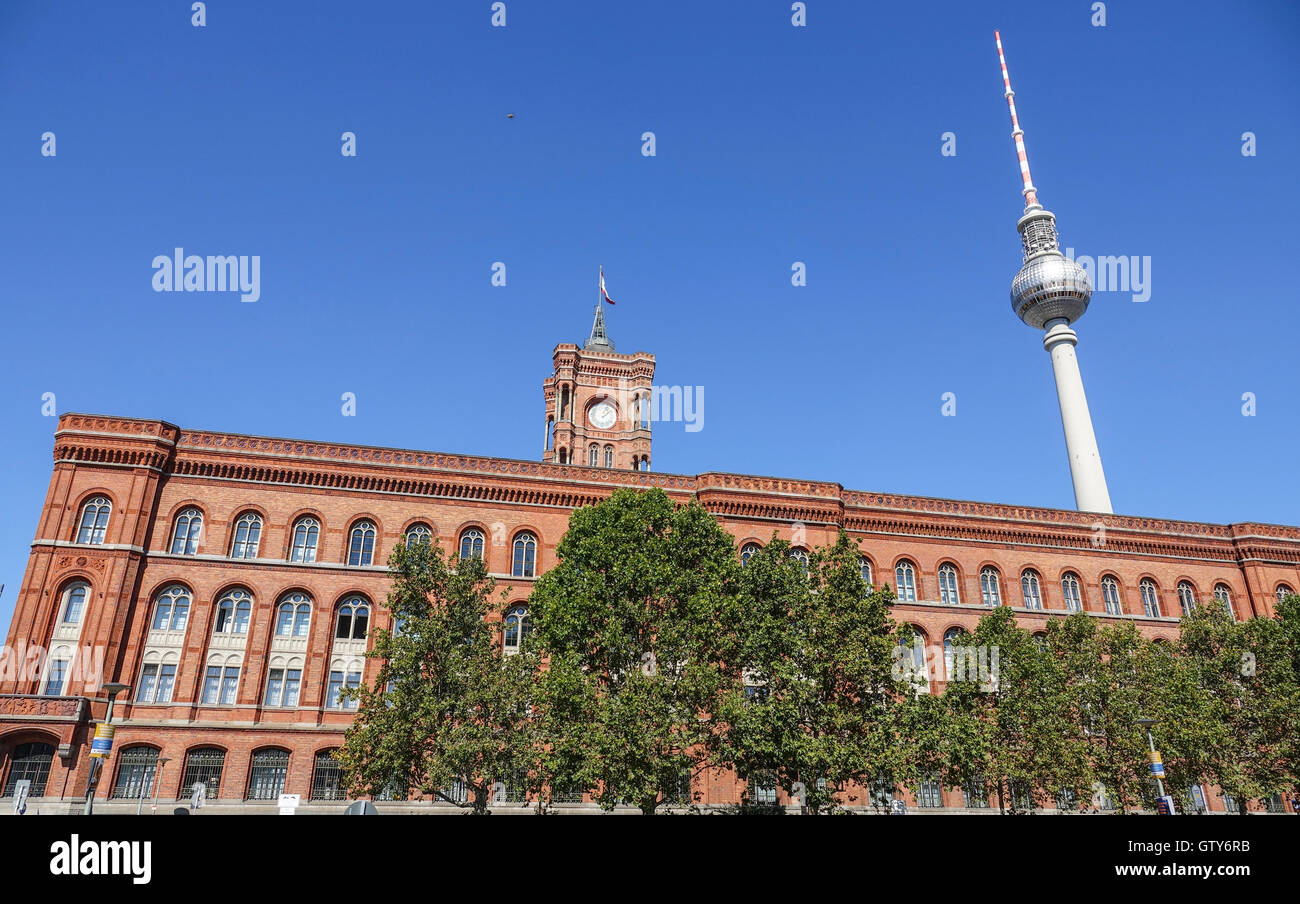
<point x="162" y="764"/>
<point x="113" y="688"/>
<point x="1155" y="758"/>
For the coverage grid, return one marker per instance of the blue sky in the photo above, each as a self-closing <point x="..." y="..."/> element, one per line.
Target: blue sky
<point x="774" y="144"/>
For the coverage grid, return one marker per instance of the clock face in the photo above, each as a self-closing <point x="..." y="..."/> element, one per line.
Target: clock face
<point x="602" y="416"/>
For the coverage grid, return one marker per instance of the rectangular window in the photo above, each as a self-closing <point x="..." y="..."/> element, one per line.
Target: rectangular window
<point x="166" y="681"/>
<point x="148" y="681"/>
<point x="220" y="685"/>
<point x="282" y="687"/>
<point x="54" y="679"/>
<point x="229" y="684"/>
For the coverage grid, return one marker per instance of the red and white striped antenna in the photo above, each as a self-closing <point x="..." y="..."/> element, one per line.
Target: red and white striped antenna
<point x="1031" y="193"/>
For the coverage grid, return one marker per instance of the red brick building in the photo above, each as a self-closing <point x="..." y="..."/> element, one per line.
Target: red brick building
<point x="232" y="580"/>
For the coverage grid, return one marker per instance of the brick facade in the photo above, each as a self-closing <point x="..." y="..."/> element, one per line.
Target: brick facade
<point x="151" y="472"/>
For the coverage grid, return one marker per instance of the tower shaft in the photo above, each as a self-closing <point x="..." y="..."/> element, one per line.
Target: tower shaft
<point x="1090" y="491"/>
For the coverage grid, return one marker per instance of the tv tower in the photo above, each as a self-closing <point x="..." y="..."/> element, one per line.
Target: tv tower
<point x="1049" y="293"/>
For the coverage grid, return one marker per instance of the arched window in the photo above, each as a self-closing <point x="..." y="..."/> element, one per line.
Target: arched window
<point x="248" y="534"/>
<point x="523" y="564"/>
<point x="204" y="764"/>
<point x="517" y="628"/>
<point x="609" y="456"/>
<point x="417" y="534"/>
<point x="916" y="655"/>
<point x="905" y="579"/>
<point x="353" y="620"/>
<point x="748" y="551"/>
<point x="990" y="586"/>
<point x="306" y="535"/>
<point x="1110" y="595"/>
<point x="293" y="618"/>
<point x="94" y="520"/>
<point x="233" y="612"/>
<point x="266" y="777"/>
<point x="185" y="535"/>
<point x="327" y="778"/>
<point x="1224" y="596"/>
<point x="1031" y="589"/>
<point x="1150" y="598"/>
<point x="1186" y="597"/>
<point x="593" y="453"/>
<point x="800" y="556"/>
<point x="361" y="546"/>
<point x="74" y="602"/>
<point x="1070" y="589"/>
<point x="171" y="611"/>
<point x="1283" y="591"/>
<point x="30" y="762"/>
<point x="865" y="565"/>
<point x="471" y="544"/>
<point x="948" y="594"/>
<point x="950" y="638"/>
<point x="136" y="767"/>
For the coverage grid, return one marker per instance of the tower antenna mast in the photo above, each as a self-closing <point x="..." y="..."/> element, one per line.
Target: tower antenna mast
<point x="1049" y="293"/>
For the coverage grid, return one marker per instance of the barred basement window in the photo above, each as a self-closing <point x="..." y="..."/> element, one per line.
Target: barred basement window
<point x="1021" y="797"/>
<point x="762" y="789"/>
<point x="976" y="793"/>
<point x="929" y="793"/>
<point x="266" y="778"/>
<point x="457" y="792"/>
<point x="204" y="764"/>
<point x="1067" y="799"/>
<point x="566" y="795"/>
<point x="135" y="772"/>
<point x="516" y="788"/>
<point x="30" y="762"/>
<point x="680" y="795"/>
<point x="327" y="777"/>
<point x="94" y="520"/>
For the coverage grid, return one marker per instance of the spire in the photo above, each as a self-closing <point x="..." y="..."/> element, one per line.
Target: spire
<point x="599" y="340"/>
<point x="1031" y="193"/>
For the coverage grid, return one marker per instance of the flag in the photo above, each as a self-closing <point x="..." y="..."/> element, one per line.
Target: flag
<point x="603" y="293"/>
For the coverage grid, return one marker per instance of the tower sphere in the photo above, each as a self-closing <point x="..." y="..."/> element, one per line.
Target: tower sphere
<point x="1050" y="287"/>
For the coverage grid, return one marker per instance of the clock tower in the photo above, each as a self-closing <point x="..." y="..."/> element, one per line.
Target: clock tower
<point x="598" y="404"/>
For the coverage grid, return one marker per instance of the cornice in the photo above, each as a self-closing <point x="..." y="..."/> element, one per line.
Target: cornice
<point x="94" y="439"/>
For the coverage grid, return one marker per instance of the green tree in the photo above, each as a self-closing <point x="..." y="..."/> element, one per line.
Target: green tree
<point x="1248" y="671"/>
<point x="637" y="626"/>
<point x="1111" y="680"/>
<point x="447" y="706"/>
<point x="1006" y="714"/>
<point x="818" y="704"/>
